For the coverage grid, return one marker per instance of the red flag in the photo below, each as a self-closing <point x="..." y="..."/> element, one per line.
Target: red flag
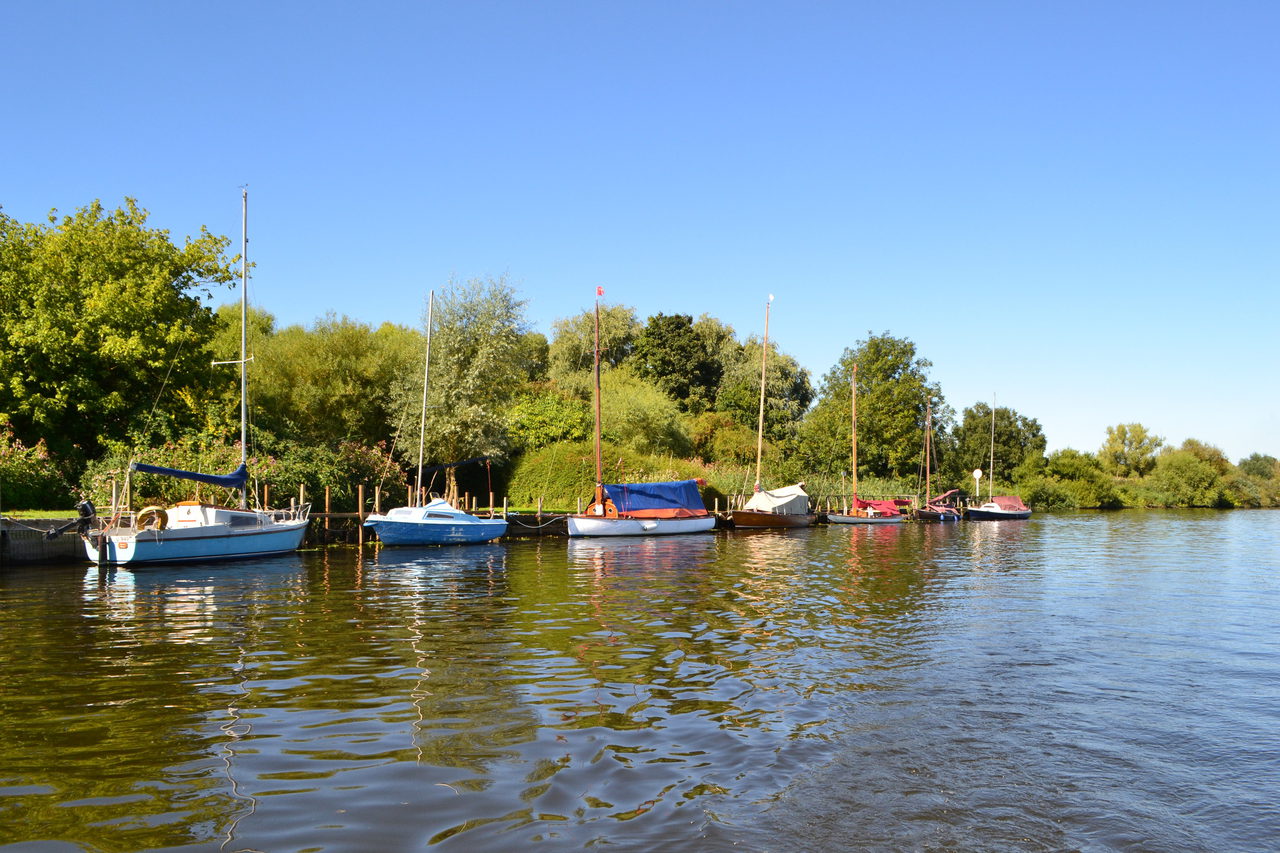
<point x="599" y="290"/>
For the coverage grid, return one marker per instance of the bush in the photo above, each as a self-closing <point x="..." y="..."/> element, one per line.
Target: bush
<point x="29" y="477"/>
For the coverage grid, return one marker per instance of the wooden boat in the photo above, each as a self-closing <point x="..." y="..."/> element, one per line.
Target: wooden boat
<point x="437" y="522"/>
<point x="637" y="509"/>
<point x="1005" y="507"/>
<point x="933" y="508"/>
<point x="785" y="507"/>
<point x="859" y="511"/>
<point x="192" y="530"/>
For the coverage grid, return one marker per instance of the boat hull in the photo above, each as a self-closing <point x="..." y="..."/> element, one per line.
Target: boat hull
<point x="840" y="518"/>
<point x="437" y="532"/>
<point x="976" y="514"/>
<point x="193" y="544"/>
<point x="931" y="515"/>
<point x="752" y="518"/>
<point x="589" y="525"/>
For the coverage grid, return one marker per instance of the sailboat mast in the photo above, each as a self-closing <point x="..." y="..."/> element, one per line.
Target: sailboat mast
<point x="991" y="475"/>
<point x="599" y="459"/>
<point x="426" y="374"/>
<point x="928" y="449"/>
<point x="764" y="360"/>
<point x="853" y="429"/>
<point x="244" y="325"/>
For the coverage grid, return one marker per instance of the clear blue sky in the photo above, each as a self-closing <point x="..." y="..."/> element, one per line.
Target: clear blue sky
<point x="1071" y="205"/>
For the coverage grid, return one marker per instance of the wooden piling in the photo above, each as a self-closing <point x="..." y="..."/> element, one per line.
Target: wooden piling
<point x="327" y="510"/>
<point x="360" y="514"/>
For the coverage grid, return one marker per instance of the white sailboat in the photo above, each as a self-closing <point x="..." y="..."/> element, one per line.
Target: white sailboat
<point x="193" y="530"/>
<point x="637" y="509"/>
<point x="1003" y="507"/>
<point x="437" y="522"/>
<point x="860" y="511"/>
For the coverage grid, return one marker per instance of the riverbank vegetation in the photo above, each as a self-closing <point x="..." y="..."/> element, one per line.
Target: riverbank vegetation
<point x="108" y="342"/>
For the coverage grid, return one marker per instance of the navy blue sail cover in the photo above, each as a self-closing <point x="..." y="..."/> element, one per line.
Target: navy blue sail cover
<point x="237" y="479"/>
<point x="657" y="499"/>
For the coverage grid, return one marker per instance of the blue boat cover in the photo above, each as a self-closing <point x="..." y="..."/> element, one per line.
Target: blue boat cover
<point x="637" y="497"/>
<point x="237" y="479"/>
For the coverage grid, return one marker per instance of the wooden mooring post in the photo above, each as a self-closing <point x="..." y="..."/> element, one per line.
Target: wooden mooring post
<point x="360" y="515"/>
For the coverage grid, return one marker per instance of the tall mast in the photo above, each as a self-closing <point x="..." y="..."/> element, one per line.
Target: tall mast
<point x="764" y="360"/>
<point x="599" y="460"/>
<point x="928" y="441"/>
<point x="991" y="475"/>
<point x="426" y="373"/>
<point x="244" y="325"/>
<point x="853" y="429"/>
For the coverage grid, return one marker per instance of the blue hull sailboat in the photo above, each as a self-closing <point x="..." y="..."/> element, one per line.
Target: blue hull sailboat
<point x="437" y="522"/>
<point x="192" y="530"/>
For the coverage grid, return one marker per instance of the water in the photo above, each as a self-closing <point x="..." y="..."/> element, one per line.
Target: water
<point x="1075" y="682"/>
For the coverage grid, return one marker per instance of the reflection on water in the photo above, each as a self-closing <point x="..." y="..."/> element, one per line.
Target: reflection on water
<point x="1079" y="681"/>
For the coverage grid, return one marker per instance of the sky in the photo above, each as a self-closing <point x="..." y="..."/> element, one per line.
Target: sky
<point x="1070" y="207"/>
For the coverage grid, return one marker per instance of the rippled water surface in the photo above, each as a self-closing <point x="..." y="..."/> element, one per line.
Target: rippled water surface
<point x="1090" y="682"/>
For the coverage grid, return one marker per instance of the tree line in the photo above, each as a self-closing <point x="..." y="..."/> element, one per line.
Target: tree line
<point x="108" y="347"/>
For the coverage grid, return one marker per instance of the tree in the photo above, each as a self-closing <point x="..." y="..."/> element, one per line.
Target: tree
<point x="545" y="416"/>
<point x="1260" y="465"/>
<point x="1129" y="451"/>
<point x="477" y="338"/>
<point x="1183" y="477"/>
<point x="634" y="413"/>
<point x="670" y="354"/>
<point x="1016" y="437"/>
<point x="98" y="314"/>
<point x="573" y="345"/>
<point x="788" y="391"/>
<point x="893" y="387"/>
<point x="333" y="382"/>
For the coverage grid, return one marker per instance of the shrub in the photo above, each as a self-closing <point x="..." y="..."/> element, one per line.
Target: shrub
<point x="29" y="477"/>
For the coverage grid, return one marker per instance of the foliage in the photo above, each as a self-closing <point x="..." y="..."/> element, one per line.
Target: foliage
<point x="476" y="340"/>
<point x="574" y="340"/>
<point x="787" y="391"/>
<point x="1129" y="450"/>
<point x="29" y="479"/>
<point x="1260" y="465"/>
<point x="332" y="382"/>
<point x="893" y="387"/>
<point x="719" y="438"/>
<point x="1071" y="480"/>
<point x="543" y="416"/>
<point x="1190" y="477"/>
<point x="1016" y="438"/>
<point x="634" y="413"/>
<point x="670" y="354"/>
<point x="533" y="357"/>
<point x="563" y="473"/>
<point x="98" y="314"/>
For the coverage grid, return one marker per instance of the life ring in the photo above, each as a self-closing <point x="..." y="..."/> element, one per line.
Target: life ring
<point x="155" y="516"/>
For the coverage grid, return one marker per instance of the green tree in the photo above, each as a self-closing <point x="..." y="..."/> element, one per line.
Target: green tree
<point x="98" y="314"/>
<point x="332" y="382"/>
<point x="634" y="413"/>
<point x="544" y="416"/>
<point x="893" y="387"/>
<point x="573" y="343"/>
<point x="670" y="354"/>
<point x="1016" y="437"/>
<point x="1071" y="479"/>
<point x="1185" y="477"/>
<point x="788" y="391"/>
<point x="534" y="356"/>
<point x="1261" y="466"/>
<point x="1129" y="451"/>
<point x="477" y="339"/>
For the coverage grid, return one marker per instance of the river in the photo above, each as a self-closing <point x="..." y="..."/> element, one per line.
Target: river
<point x="1090" y="681"/>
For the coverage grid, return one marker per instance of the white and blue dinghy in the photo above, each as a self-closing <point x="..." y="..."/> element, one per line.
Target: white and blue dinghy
<point x="437" y="522"/>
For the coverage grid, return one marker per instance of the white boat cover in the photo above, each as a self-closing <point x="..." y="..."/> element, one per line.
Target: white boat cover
<point x="789" y="500"/>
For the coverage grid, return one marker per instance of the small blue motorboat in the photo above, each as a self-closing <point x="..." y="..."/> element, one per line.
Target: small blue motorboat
<point x="437" y="522"/>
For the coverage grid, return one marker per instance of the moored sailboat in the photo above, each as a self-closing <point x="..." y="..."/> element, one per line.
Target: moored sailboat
<point x="637" y="509"/>
<point x="194" y="530"/>
<point x="785" y="507"/>
<point x="1003" y="507"/>
<point x="437" y="522"/>
<point x="933" y="508"/>
<point x="859" y="511"/>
